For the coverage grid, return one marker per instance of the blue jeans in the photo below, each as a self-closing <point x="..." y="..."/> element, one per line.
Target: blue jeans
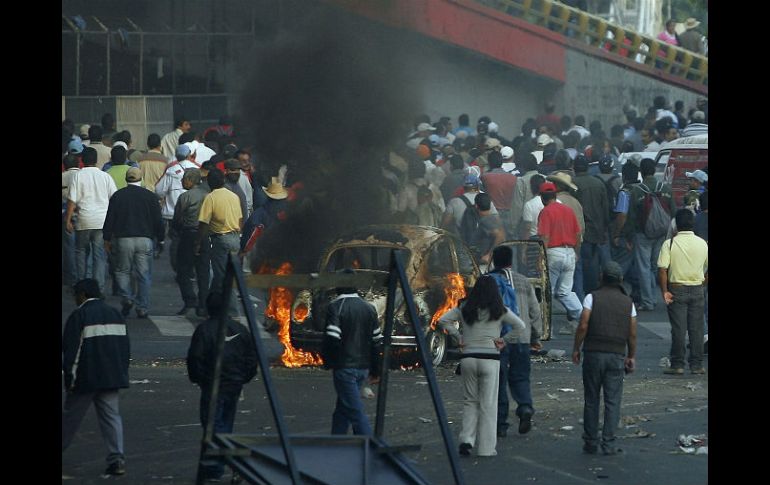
<point x="646" y="252"/>
<point x="602" y="372"/>
<point x="349" y="409"/>
<point x="69" y="270"/>
<point x="561" y="271"/>
<point x="224" y="418"/>
<point x="90" y="243"/>
<point x="515" y="370"/>
<point x="133" y="253"/>
<point x="221" y="246"/>
<point x="593" y="257"/>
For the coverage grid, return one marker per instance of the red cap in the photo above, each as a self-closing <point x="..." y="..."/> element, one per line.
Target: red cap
<point x="547" y="187"/>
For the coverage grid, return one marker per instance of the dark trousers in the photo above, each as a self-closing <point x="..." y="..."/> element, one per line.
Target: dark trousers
<point x="593" y="257"/>
<point x="602" y="373"/>
<point x="189" y="265"/>
<point x="515" y="369"/>
<point x="224" y="418"/>
<point x="686" y="316"/>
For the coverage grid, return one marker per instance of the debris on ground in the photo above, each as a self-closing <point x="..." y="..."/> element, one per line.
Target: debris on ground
<point x="639" y="433"/>
<point x="425" y="420"/>
<point x="664" y="362"/>
<point x="694" y="387"/>
<point x="144" y="381"/>
<point x="566" y="389"/>
<point x="693" y="444"/>
<point x="633" y="421"/>
<point x="567" y="428"/>
<point x="552" y="396"/>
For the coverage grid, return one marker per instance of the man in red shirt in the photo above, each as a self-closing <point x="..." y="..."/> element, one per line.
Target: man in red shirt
<point x="558" y="227"/>
<point x="499" y="184"/>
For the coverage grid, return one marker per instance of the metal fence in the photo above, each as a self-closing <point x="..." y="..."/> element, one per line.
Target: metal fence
<point x="597" y="32"/>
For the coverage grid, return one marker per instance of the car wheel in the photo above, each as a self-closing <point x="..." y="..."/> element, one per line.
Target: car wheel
<point x="436" y="341"/>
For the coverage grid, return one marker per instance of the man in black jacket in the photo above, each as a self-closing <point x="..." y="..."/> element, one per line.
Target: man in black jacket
<point x="133" y="221"/>
<point x="351" y="347"/>
<point x="95" y="351"/>
<point x="239" y="366"/>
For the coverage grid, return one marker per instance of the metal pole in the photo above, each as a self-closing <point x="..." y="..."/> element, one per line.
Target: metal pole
<point x="379" y="421"/>
<point x="264" y="368"/>
<point x="77" y="63"/>
<point x="430" y="374"/>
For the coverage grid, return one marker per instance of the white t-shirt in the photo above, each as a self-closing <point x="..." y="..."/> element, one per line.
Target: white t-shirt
<point x="588" y="303"/>
<point x="531" y="212"/>
<point x="90" y="189"/>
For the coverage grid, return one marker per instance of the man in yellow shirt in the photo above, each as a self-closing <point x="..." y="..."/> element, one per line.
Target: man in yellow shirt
<point x="683" y="274"/>
<point x="222" y="219"/>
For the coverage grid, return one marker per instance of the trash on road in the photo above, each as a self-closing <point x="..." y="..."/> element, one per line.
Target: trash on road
<point x="425" y="420"/>
<point x="552" y="396"/>
<point x="555" y="353"/>
<point x="567" y="428"/>
<point x="693" y="444"/>
<point x="566" y="389"/>
<point x="144" y="381"/>
<point x="366" y="392"/>
<point x="639" y="433"/>
<point x="694" y="387"/>
<point x="664" y="362"/>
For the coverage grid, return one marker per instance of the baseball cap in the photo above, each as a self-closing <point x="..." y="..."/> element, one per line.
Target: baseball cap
<point x="547" y="187"/>
<point x="698" y="175"/>
<point x="613" y="270"/>
<point x="606" y="163"/>
<point x="232" y="164"/>
<point x="75" y="146"/>
<point x="471" y="179"/>
<point x="133" y="175"/>
<point x="507" y="153"/>
<point x="425" y="127"/>
<point x="544" y="140"/>
<point x="183" y="151"/>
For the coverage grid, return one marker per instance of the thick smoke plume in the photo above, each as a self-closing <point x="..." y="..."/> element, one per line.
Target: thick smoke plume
<point x="327" y="99"/>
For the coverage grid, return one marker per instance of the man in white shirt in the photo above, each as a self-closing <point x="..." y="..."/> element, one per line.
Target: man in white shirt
<point x="169" y="188"/>
<point x="89" y="192"/>
<point x="170" y="141"/>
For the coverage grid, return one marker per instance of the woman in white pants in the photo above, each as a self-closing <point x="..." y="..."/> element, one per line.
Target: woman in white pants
<point x="482" y="315"/>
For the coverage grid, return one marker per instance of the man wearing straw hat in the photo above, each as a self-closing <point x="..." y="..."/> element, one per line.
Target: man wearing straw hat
<point x="269" y="213"/>
<point x="692" y="39"/>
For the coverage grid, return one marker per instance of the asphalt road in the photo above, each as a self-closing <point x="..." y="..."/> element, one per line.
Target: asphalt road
<point x="162" y="431"/>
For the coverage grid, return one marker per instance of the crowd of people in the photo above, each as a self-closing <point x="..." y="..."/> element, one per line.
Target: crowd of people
<point x="558" y="180"/>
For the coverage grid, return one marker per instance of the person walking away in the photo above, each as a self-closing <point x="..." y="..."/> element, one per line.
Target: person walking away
<point x="558" y="227"/>
<point x="95" y="357"/>
<point x="682" y="275"/>
<point x="191" y="267"/>
<point x="352" y="344"/>
<point x="481" y="316"/>
<point x="239" y="366"/>
<point x="89" y="193"/>
<point x="607" y="330"/>
<point x="132" y="223"/>
<point x="152" y="162"/>
<point x="595" y="249"/>
<point x="69" y="272"/>
<point x="515" y="367"/>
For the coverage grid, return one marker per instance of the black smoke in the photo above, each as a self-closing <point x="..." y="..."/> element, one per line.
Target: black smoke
<point x="326" y="97"/>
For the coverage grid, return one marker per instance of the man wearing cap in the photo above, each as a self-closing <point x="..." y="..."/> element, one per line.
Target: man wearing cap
<point x="697" y="125"/>
<point x="456" y="207"/>
<point x="128" y="162"/>
<point x="267" y="214"/>
<point x="75" y="146"/>
<point x="89" y="192"/>
<point x="606" y="332"/>
<point x="222" y="218"/>
<point x="84" y="134"/>
<point x="133" y="221"/>
<point x="423" y="131"/>
<point x="500" y="184"/>
<point x="697" y="180"/>
<point x="565" y="189"/>
<point x="682" y="275"/>
<point x="170" y="140"/>
<point x="191" y="266"/>
<point x="691" y="39"/>
<point x="595" y="249"/>
<point x="558" y="227"/>
<point x="169" y="188"/>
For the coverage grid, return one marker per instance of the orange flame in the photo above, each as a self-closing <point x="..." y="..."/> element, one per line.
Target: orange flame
<point x="279" y="309"/>
<point x="454" y="291"/>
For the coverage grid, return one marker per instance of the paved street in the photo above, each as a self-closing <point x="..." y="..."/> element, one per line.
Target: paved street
<point x="162" y="431"/>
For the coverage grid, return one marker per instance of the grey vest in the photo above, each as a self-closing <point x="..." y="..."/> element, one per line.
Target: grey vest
<point x="610" y="323"/>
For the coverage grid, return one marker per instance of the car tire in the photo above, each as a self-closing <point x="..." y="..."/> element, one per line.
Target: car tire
<point x="436" y="341"/>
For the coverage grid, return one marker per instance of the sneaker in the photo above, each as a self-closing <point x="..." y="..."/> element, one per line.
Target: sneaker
<point x="465" y="449"/>
<point x="126" y="307"/>
<point x="590" y="449"/>
<point x="699" y="370"/>
<point x="525" y="423"/>
<point x="677" y="371"/>
<point x="141" y="314"/>
<point x="116" y="468"/>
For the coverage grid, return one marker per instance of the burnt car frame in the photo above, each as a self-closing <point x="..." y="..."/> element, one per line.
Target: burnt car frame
<point x="430" y="255"/>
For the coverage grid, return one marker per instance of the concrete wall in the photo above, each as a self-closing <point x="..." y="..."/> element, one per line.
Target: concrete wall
<point x="598" y="90"/>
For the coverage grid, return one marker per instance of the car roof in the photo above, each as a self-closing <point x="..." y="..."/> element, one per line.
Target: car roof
<point x="415" y="238"/>
<point x="697" y="141"/>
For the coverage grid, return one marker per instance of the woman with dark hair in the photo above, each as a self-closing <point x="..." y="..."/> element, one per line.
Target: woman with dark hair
<point x="481" y="315"/>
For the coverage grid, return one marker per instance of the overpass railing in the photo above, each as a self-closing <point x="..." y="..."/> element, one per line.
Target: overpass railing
<point x="615" y="39"/>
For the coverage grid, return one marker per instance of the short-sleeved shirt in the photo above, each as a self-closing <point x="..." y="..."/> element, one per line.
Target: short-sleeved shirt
<point x="457" y="207"/>
<point x="588" y="304"/>
<point x="221" y="210"/>
<point x="687" y="256"/>
<point x="118" y="174"/>
<point x="531" y="212"/>
<point x="90" y="190"/>
<point x="559" y="224"/>
<point x="621" y="206"/>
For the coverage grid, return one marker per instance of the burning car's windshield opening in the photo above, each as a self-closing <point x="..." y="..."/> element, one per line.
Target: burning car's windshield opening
<point x="376" y="258"/>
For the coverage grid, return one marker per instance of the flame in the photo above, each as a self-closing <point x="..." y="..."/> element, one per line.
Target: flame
<point x="279" y="309"/>
<point x="301" y="312"/>
<point x="454" y="291"/>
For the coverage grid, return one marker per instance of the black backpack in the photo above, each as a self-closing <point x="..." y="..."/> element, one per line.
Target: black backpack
<point x="469" y="224"/>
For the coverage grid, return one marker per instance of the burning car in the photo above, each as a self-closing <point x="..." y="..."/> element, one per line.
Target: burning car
<point x="439" y="267"/>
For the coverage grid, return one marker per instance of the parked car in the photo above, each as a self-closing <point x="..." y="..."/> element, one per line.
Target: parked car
<point x="431" y="257"/>
<point x="529" y="259"/>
